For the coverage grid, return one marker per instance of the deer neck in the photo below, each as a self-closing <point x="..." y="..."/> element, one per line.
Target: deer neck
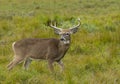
<point x="64" y="45"/>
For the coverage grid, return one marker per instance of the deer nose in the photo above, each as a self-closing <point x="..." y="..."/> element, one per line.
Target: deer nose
<point x="62" y="39"/>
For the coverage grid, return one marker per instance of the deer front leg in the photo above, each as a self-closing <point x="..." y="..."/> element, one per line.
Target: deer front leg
<point x="61" y="65"/>
<point x="27" y="63"/>
<point x="50" y="64"/>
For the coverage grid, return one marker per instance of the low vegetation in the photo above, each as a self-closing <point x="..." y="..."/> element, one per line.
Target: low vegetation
<point x="94" y="55"/>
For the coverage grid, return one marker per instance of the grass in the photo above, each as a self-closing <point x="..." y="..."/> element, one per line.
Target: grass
<point x="94" y="55"/>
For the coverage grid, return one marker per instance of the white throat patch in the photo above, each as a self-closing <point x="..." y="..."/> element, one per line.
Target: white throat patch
<point x="66" y="42"/>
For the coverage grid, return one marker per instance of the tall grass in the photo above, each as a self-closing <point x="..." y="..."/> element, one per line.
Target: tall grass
<point x="94" y="55"/>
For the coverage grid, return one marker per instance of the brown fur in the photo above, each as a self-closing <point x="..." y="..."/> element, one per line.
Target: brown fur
<point x="53" y="50"/>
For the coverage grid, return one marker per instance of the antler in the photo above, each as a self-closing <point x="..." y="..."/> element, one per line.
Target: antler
<point x="76" y="25"/>
<point x="75" y="28"/>
<point x="56" y="29"/>
<point x="54" y="26"/>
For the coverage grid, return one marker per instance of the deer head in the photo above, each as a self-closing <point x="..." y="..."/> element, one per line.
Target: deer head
<point x="65" y="33"/>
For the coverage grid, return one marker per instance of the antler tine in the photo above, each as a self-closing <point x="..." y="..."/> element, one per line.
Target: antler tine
<point x="54" y="26"/>
<point x="78" y="19"/>
<point x="55" y="23"/>
<point x="77" y="25"/>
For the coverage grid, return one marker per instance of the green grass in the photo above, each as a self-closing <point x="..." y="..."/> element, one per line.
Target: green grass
<point x="94" y="55"/>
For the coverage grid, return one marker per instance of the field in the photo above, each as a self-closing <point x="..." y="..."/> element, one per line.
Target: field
<point x="94" y="54"/>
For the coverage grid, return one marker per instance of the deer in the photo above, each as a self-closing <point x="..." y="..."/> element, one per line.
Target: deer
<point x="50" y="49"/>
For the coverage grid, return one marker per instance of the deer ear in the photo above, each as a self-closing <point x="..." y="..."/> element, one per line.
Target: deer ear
<point x="73" y="30"/>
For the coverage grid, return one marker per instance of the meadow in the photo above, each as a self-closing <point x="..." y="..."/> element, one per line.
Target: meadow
<point x="94" y="54"/>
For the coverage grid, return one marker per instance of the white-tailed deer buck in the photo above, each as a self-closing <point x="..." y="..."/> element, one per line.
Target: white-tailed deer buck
<point x="51" y="49"/>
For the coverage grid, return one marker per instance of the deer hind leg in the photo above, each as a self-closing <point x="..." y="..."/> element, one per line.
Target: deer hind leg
<point x="15" y="61"/>
<point x="9" y="64"/>
<point x="27" y="63"/>
<point x="61" y="65"/>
